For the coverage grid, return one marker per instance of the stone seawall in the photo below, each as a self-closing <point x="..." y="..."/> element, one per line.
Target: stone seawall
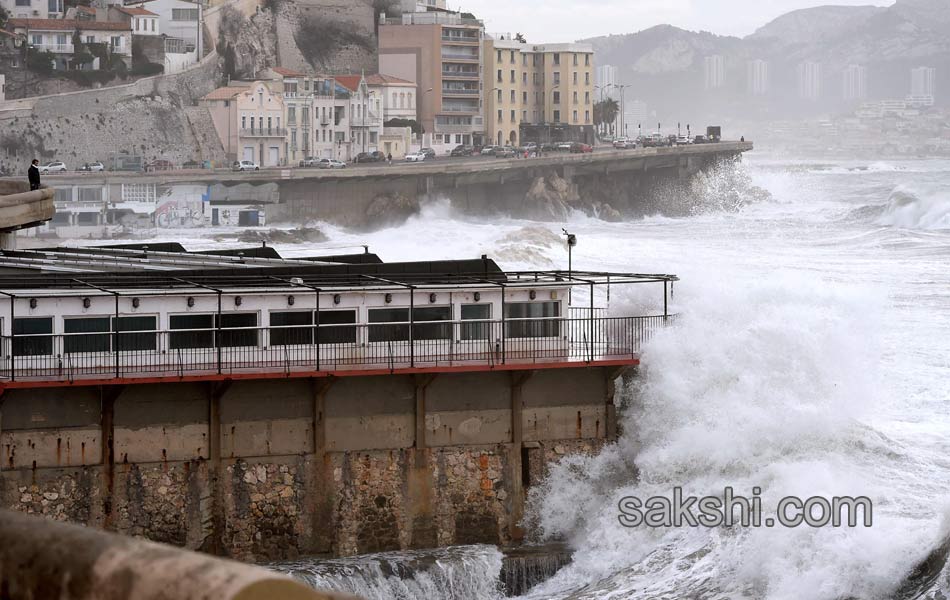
<point x="264" y="470"/>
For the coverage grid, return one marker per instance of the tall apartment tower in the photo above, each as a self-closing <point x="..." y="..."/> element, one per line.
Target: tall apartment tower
<point x="922" y="81"/>
<point x="757" y="77"/>
<point x="855" y="82"/>
<point x="714" y="70"/>
<point x="606" y="79"/>
<point x="440" y="52"/>
<point x="809" y="80"/>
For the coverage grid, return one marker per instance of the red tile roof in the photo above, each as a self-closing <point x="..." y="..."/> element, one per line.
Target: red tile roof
<point x="67" y="25"/>
<point x="287" y="72"/>
<point x="352" y="82"/>
<point x="136" y="11"/>
<point x="225" y="93"/>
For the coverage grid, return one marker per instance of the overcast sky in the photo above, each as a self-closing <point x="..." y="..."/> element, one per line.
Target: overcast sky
<point x="568" y="20"/>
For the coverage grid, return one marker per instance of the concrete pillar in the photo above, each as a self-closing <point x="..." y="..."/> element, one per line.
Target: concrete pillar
<point x="216" y="391"/>
<point x="320" y="482"/>
<point x="516" y="454"/>
<point x="7" y="240"/>
<point x="421" y="483"/>
<point x="108" y="395"/>
<point x="610" y="427"/>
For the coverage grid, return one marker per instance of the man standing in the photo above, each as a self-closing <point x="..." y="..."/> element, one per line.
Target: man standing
<point x="34" y="174"/>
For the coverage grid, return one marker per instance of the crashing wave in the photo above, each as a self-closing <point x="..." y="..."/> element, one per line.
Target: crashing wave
<point x="927" y="209"/>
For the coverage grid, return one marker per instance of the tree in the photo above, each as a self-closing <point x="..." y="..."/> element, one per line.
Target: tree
<point x="607" y="111"/>
<point x="519" y="37"/>
<point x="4" y="15"/>
<point x="417" y="128"/>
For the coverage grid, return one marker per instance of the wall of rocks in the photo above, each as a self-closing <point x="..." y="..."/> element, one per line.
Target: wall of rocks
<point x="267" y="470"/>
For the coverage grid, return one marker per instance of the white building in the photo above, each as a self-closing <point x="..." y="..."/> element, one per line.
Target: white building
<point x="637" y="115"/>
<point x="714" y="71"/>
<point x="855" y="82"/>
<point x="606" y="78"/>
<point x="809" y="80"/>
<point x="56" y="36"/>
<point x="757" y="77"/>
<point x="398" y="96"/>
<point x="34" y="9"/>
<point x="141" y="20"/>
<point x="922" y="81"/>
<point x="366" y="112"/>
<point x="179" y="20"/>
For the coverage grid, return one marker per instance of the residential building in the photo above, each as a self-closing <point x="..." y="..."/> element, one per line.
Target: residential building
<point x="855" y="82"/>
<point x="637" y="114"/>
<point x="922" y="81"/>
<point x="538" y="92"/>
<point x="140" y="20"/>
<point x="11" y="56"/>
<point x="366" y="112"/>
<point x="33" y="9"/>
<point x="398" y="96"/>
<point x="714" y="71"/>
<point x="440" y="53"/>
<point x="180" y="21"/>
<point x="57" y="37"/>
<point x="757" y="77"/>
<point x="606" y="78"/>
<point x="809" y="80"/>
<point x="250" y="121"/>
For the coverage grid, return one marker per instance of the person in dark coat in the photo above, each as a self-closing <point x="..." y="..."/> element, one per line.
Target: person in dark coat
<point x="34" y="174"/>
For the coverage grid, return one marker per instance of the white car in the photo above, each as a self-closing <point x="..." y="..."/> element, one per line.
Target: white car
<point x="331" y="163"/>
<point x="415" y="157"/>
<point x="245" y="165"/>
<point x="53" y="167"/>
<point x="93" y="167"/>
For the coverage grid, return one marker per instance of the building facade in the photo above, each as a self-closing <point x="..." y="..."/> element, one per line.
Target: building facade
<point x="757" y="77"/>
<point x="250" y="121"/>
<point x="180" y="21"/>
<point x="34" y="9"/>
<point x="538" y="93"/>
<point x="855" y="82"/>
<point x="440" y="53"/>
<point x="57" y="36"/>
<point x="714" y="72"/>
<point x="922" y="81"/>
<point x="809" y="80"/>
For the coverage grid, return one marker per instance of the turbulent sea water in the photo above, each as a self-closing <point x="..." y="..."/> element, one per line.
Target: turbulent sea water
<point x="812" y="359"/>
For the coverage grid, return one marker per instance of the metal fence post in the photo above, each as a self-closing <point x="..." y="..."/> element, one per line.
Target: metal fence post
<point x="412" y="345"/>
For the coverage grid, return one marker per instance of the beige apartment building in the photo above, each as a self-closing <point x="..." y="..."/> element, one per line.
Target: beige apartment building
<point x="440" y="53"/>
<point x="538" y="92"/>
<point x="250" y="120"/>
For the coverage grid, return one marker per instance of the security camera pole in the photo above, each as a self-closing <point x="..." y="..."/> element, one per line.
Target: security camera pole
<point x="571" y="242"/>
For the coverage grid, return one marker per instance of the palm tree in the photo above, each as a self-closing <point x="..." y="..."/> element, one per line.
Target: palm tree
<point x="605" y="112"/>
<point x="519" y="37"/>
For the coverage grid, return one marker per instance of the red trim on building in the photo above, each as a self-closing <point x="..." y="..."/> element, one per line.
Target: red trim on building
<point x="8" y="385"/>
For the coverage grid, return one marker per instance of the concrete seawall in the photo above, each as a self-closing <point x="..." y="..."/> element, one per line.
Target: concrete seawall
<point x="273" y="469"/>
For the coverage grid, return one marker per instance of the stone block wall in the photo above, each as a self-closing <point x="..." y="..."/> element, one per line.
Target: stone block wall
<point x="274" y="469"/>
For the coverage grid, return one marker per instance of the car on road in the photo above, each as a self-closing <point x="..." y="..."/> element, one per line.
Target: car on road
<point x="462" y="151"/>
<point x="192" y="164"/>
<point x="415" y="157"/>
<point x="330" y="163"/>
<point x="622" y="143"/>
<point x="159" y="165"/>
<point x="92" y="167"/>
<point x="531" y="147"/>
<point x="548" y="147"/>
<point x="370" y="157"/>
<point x="310" y="161"/>
<point x="700" y="139"/>
<point x="489" y="150"/>
<point x="682" y="140"/>
<point x="565" y="146"/>
<point x="245" y="165"/>
<point x="429" y="152"/>
<point x="53" y="167"/>
<point x="504" y="152"/>
<point x="579" y="148"/>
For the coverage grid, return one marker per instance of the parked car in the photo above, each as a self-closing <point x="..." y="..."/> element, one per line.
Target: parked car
<point x="682" y="140"/>
<point x="621" y="143"/>
<point x="700" y="139"/>
<point x="93" y="167"/>
<point x="462" y="151"/>
<point x="245" y="165"/>
<point x="531" y="147"/>
<point x="159" y="165"/>
<point x="370" y="157"/>
<point x="489" y="150"/>
<point x="53" y="167"/>
<point x="192" y="164"/>
<point x="565" y="146"/>
<point x="504" y="152"/>
<point x="416" y="156"/>
<point x="310" y="161"/>
<point x="578" y="148"/>
<point x="330" y="163"/>
<point x="548" y="147"/>
<point x="429" y="152"/>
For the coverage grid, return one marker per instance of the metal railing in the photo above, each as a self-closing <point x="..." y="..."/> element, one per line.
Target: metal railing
<point x="584" y="337"/>
<point x="264" y="132"/>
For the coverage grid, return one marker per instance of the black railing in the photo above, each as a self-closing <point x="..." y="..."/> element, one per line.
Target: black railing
<point x="585" y="337"/>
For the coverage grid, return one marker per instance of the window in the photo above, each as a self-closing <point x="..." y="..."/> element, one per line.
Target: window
<point x="512" y="77"/>
<point x="586" y="97"/>
<point x="499" y="96"/>
<point x="587" y="62"/>
<point x="575" y="77"/>
<point x="524" y="97"/>
<point x="575" y="116"/>
<point x="557" y="78"/>
<point x="557" y="59"/>
<point x="587" y="116"/>
<point x="23" y="2"/>
<point x="499" y="76"/>
<point x="587" y="78"/>
<point x="575" y="97"/>
<point x="575" y="60"/>
<point x="424" y="326"/>
<point x="500" y="117"/>
<point x="542" y="319"/>
<point x="476" y="331"/>
<point x="87" y="341"/>
<point x="557" y="97"/>
<point x="39" y="341"/>
<point x="557" y="116"/>
<point x="513" y="116"/>
<point x="199" y="331"/>
<point x="136" y="341"/>
<point x="499" y="56"/>
<point x="184" y="14"/>
<point x="90" y="39"/>
<point x="235" y="332"/>
<point x="524" y="78"/>
<point x="37" y="38"/>
<point x="291" y="328"/>
<point x="512" y="96"/>
<point x="116" y="41"/>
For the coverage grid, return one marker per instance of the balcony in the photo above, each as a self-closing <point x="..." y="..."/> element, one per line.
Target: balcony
<point x="459" y="56"/>
<point x="460" y="39"/>
<point x="460" y="92"/>
<point x="465" y="109"/>
<point x="586" y="337"/>
<point x="459" y="74"/>
<point x="55" y="48"/>
<point x="266" y="132"/>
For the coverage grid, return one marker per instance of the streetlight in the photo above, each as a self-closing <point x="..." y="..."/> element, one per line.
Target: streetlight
<point x="623" y="89"/>
<point x="571" y="242"/>
<point x="602" y="88"/>
<point x="494" y="103"/>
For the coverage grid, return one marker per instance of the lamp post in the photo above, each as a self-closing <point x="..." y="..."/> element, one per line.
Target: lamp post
<point x="494" y="103"/>
<point x="571" y="242"/>
<point x="623" y="89"/>
<point x="422" y="133"/>
<point x="603" y="123"/>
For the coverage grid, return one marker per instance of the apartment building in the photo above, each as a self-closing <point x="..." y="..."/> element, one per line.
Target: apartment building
<point x="440" y="53"/>
<point x="33" y="9"/>
<point x="57" y="36"/>
<point x="250" y="121"/>
<point x="538" y="92"/>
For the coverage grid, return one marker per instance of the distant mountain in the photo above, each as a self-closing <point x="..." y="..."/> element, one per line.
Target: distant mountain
<point x="665" y="65"/>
